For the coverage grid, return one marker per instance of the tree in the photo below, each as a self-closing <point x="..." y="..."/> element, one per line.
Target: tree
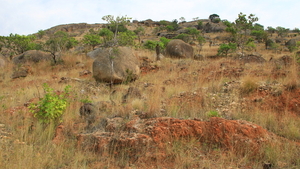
<point x="260" y="35"/>
<point x="185" y="37"/>
<point x="224" y="49"/>
<point x="200" y="25"/>
<point x="106" y="34"/>
<point x="296" y="30"/>
<point x="271" y="30"/>
<point x="59" y="43"/>
<point x="126" y="38"/>
<point x="239" y="29"/>
<point x="139" y="31"/>
<point x="281" y="31"/>
<point x="116" y="22"/>
<point x="194" y="32"/>
<point x="214" y="18"/>
<point x="182" y="19"/>
<point x="92" y="39"/>
<point x="18" y="44"/>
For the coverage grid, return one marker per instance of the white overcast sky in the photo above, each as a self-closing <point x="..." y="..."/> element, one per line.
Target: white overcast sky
<point x="29" y="16"/>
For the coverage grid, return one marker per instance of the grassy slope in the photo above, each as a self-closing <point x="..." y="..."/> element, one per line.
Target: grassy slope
<point x="175" y="78"/>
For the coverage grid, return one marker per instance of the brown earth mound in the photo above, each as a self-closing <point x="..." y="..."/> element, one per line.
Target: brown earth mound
<point x="156" y="133"/>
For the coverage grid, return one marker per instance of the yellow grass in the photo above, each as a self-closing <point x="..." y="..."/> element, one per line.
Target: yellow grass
<point x="161" y="94"/>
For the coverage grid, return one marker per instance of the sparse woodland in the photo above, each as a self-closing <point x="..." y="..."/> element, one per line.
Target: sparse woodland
<point x="234" y="104"/>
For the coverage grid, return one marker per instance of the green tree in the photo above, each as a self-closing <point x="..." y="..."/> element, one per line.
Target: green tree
<point x="239" y="29"/>
<point x="126" y="38"/>
<point x="185" y="37"/>
<point x="193" y="32"/>
<point x="106" y="34"/>
<point x="165" y="42"/>
<point x="224" y="49"/>
<point x="182" y="19"/>
<point x="18" y="44"/>
<point x="116" y="22"/>
<point x="40" y="34"/>
<point x="92" y="40"/>
<point x="149" y="44"/>
<point x="281" y="31"/>
<point x="58" y="43"/>
<point x="214" y="18"/>
<point x="260" y="35"/>
<point x="200" y="25"/>
<point x="271" y="30"/>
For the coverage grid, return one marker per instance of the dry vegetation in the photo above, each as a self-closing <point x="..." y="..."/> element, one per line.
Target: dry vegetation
<point x="265" y="94"/>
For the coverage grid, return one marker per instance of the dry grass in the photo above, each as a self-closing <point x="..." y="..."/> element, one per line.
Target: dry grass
<point x="181" y="88"/>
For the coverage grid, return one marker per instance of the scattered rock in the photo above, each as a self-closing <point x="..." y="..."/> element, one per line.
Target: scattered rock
<point x="33" y="56"/>
<point x="251" y="58"/>
<point x="19" y="73"/>
<point x="85" y="73"/>
<point x="179" y="49"/>
<point x="124" y="66"/>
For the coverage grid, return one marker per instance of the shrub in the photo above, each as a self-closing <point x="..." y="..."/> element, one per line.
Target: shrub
<point x="165" y="42"/>
<point x="185" y="37"/>
<point x="226" y="48"/>
<point x="50" y="108"/>
<point x="248" y="86"/>
<point x="91" y="39"/>
<point x="150" y="44"/>
<point x="126" y="38"/>
<point x="213" y="113"/>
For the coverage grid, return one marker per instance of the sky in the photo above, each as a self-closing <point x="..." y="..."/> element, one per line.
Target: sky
<point x="26" y="17"/>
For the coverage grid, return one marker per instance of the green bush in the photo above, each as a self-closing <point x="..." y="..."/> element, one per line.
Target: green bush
<point x="92" y="39"/>
<point x="50" y="108"/>
<point x="213" y="113"/>
<point x="185" y="37"/>
<point x="224" y="48"/>
<point x="150" y="44"/>
<point x="126" y="38"/>
<point x="165" y="41"/>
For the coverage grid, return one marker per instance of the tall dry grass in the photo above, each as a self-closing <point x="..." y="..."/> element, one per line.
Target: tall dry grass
<point x="185" y="89"/>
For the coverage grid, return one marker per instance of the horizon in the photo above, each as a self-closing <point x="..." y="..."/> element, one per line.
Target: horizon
<point x="26" y="17"/>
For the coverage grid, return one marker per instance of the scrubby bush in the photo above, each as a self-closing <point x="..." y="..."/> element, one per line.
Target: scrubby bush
<point x="185" y="37"/>
<point x="224" y="48"/>
<point x="150" y="44"/>
<point x="106" y="34"/>
<point x="92" y="39"/>
<point x="52" y="106"/>
<point x="126" y="38"/>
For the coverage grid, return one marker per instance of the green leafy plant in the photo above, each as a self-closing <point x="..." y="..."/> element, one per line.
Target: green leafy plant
<point x="126" y="38"/>
<point x="226" y="48"/>
<point x="213" y="113"/>
<point x="50" y="108"/>
<point x="92" y="40"/>
<point x="185" y="37"/>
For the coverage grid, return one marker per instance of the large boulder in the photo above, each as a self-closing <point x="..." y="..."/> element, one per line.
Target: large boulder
<point x="214" y="27"/>
<point x="34" y="56"/>
<point x="179" y="49"/>
<point x="116" y="65"/>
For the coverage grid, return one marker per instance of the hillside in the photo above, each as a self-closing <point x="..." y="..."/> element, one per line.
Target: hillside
<point x="211" y="111"/>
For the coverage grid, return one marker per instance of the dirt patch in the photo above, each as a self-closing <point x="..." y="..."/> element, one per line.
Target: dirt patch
<point x="278" y="100"/>
<point x="149" y="135"/>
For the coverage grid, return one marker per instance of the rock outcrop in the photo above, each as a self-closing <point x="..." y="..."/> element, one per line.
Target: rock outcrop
<point x="179" y="49"/>
<point x="115" y="65"/>
<point x="33" y="56"/>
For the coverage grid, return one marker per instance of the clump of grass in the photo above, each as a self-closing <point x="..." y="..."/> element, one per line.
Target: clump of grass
<point x="248" y="86"/>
